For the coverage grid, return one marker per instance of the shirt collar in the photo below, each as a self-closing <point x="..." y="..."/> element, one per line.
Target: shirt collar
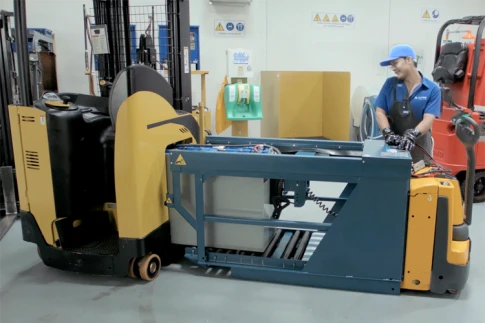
<point x="425" y="82"/>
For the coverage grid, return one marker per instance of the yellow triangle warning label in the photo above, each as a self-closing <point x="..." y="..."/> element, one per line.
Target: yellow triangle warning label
<point x="180" y="161"/>
<point x="169" y="201"/>
<point x="326" y="18"/>
<point x="317" y="18"/>
<point x="335" y="18"/>
<point x="219" y="27"/>
<point x="426" y="15"/>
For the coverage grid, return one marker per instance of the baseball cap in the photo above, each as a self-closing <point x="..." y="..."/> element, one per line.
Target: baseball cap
<point x="399" y="51"/>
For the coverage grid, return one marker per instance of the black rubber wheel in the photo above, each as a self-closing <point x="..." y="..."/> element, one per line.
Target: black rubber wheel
<point x="479" y="187"/>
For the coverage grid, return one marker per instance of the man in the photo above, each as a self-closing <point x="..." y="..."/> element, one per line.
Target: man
<point x="407" y="105"/>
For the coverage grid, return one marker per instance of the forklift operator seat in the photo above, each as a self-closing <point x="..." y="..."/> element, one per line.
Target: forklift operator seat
<point x="451" y="65"/>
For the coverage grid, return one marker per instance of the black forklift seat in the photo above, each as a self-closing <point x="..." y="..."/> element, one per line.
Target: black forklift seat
<point x="452" y="62"/>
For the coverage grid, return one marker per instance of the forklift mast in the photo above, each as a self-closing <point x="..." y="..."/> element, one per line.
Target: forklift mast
<point x="115" y="15"/>
<point x="11" y="82"/>
<point x="6" y="88"/>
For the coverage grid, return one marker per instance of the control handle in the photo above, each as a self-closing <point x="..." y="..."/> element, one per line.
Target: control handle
<point x="468" y="132"/>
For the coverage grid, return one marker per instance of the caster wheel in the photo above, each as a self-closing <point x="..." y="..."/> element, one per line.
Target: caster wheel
<point x="149" y="267"/>
<point x="131" y="273"/>
<point x="453" y="291"/>
<point x="479" y="187"/>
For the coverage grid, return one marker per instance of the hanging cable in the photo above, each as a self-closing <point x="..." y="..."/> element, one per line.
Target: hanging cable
<point x="311" y="196"/>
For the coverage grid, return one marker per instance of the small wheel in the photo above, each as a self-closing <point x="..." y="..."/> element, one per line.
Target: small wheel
<point x="149" y="267"/>
<point x="479" y="194"/>
<point x="479" y="187"/>
<point x="131" y="273"/>
<point x="453" y="291"/>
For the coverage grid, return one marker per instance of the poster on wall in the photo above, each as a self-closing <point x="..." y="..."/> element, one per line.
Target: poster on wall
<point x="430" y="14"/>
<point x="234" y="28"/>
<point x="333" y="20"/>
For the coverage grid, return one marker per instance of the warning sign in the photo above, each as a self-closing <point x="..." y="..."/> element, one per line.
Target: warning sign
<point x="180" y="161"/>
<point x="338" y="20"/>
<point x="235" y="28"/>
<point x="430" y="14"/>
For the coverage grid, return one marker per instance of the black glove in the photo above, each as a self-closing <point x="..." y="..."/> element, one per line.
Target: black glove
<point x="409" y="139"/>
<point x="390" y="137"/>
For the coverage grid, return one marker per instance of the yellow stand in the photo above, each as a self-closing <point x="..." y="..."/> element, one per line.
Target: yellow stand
<point x="203" y="118"/>
<point x="240" y="128"/>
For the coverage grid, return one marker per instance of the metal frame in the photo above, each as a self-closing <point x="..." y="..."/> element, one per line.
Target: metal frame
<point x="8" y="209"/>
<point x="473" y="20"/>
<point x="363" y="248"/>
<point x="7" y="70"/>
<point x="22" y="43"/>
<point x="115" y="15"/>
<point x="178" y="23"/>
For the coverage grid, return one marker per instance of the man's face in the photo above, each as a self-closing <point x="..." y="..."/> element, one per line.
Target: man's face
<point x="401" y="67"/>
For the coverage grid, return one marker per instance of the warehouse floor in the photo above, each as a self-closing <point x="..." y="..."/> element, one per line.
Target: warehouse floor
<point x="32" y="292"/>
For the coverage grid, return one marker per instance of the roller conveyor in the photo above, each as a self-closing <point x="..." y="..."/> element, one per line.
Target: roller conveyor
<point x="315" y="240"/>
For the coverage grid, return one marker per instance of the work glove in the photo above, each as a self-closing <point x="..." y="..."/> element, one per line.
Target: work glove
<point x="408" y="140"/>
<point x="390" y="137"/>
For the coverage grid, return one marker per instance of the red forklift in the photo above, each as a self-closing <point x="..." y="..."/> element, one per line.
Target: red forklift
<point x="460" y="72"/>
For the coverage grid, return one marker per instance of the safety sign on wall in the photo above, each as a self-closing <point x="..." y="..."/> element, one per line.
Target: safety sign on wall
<point x="336" y="20"/>
<point x="430" y="14"/>
<point x="235" y="28"/>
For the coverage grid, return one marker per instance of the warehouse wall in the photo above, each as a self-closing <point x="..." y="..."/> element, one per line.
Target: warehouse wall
<point x="281" y="35"/>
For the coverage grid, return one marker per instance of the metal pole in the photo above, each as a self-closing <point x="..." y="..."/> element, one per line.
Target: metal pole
<point x="23" y="52"/>
<point x="7" y="70"/>
<point x="126" y="30"/>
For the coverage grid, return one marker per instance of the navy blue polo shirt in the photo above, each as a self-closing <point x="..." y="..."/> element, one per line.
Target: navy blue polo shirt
<point x="426" y="98"/>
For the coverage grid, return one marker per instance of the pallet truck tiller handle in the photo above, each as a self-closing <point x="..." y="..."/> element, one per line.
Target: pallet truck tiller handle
<point x="469" y="138"/>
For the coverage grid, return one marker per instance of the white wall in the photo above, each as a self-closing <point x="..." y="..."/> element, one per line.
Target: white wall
<point x="279" y="32"/>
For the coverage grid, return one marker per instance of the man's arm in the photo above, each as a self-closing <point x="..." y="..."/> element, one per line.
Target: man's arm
<point x="382" y="120"/>
<point x="426" y="123"/>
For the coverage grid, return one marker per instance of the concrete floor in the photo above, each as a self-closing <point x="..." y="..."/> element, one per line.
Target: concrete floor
<point x="32" y="292"/>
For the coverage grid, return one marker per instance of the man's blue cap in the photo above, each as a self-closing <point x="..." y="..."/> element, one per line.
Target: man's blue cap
<point x="399" y="51"/>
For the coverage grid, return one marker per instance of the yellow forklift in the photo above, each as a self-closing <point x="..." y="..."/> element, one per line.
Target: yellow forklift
<point x="121" y="186"/>
<point x="64" y="152"/>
